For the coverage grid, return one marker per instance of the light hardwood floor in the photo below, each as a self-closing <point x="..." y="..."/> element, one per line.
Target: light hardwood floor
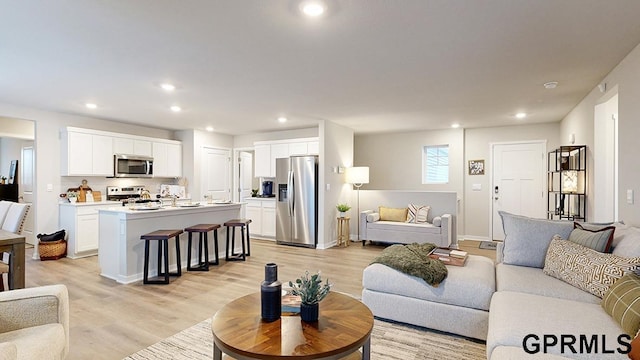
<point x="110" y="321"/>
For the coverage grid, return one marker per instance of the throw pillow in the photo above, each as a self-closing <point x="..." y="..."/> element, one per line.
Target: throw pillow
<point x="622" y="302"/>
<point x="392" y="214"/>
<point x="527" y="239"/>
<point x="437" y="221"/>
<point x="598" y="239"/>
<point x="629" y="245"/>
<point x="373" y="217"/>
<point x="585" y="268"/>
<point x="417" y="213"/>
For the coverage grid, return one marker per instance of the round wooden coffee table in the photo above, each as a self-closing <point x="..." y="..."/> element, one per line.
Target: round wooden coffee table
<point x="344" y="326"/>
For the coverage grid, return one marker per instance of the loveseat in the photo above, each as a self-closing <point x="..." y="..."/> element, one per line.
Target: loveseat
<point x="538" y="301"/>
<point x="435" y="229"/>
<point x="34" y="323"/>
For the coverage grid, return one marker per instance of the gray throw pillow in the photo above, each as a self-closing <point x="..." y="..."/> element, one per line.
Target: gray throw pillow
<point x="629" y="244"/>
<point x="527" y="239"/>
<point x="598" y="239"/>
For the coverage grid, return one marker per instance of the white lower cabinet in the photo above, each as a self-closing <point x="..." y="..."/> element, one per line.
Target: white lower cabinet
<point x="81" y="224"/>
<point x="262" y="213"/>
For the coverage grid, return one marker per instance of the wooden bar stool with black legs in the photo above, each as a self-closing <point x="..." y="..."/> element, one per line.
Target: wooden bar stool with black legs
<point x="231" y="226"/>
<point x="162" y="236"/>
<point x="203" y="231"/>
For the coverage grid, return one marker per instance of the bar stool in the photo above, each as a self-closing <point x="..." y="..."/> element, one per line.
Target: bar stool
<point x="163" y="237"/>
<point x="231" y="226"/>
<point x="203" y="231"/>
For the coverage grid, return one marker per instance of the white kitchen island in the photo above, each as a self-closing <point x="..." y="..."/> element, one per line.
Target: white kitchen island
<point x="121" y="254"/>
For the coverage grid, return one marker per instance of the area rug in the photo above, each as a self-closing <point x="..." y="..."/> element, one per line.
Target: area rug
<point x="389" y="341"/>
<point x="488" y="245"/>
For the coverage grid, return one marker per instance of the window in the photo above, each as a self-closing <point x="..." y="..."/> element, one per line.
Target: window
<point x="435" y="164"/>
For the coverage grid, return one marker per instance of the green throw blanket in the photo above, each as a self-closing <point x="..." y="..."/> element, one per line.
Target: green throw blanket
<point x="413" y="259"/>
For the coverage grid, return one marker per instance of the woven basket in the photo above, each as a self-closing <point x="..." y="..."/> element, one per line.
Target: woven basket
<point x="52" y="250"/>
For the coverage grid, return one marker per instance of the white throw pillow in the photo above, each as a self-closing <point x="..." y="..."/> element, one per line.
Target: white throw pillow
<point x="418" y="213"/>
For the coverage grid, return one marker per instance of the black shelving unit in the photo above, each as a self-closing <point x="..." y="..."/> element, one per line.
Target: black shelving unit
<point x="567" y="183"/>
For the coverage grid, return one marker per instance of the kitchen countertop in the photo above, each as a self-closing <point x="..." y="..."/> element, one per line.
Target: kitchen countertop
<point x="144" y="209"/>
<point x="91" y="203"/>
<point x="260" y="198"/>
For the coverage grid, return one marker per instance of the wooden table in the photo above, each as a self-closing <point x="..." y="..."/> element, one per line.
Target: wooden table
<point x="14" y="243"/>
<point x="344" y="326"/>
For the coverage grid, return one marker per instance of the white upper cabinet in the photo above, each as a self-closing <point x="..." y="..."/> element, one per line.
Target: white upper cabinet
<point x="266" y="153"/>
<point x="86" y="152"/>
<point x="167" y="159"/>
<point x="132" y="146"/>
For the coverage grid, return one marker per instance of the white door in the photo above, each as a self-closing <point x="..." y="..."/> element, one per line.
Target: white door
<point x="518" y="174"/>
<point x="605" y="161"/>
<point x="216" y="173"/>
<point x="25" y="179"/>
<point x="245" y="174"/>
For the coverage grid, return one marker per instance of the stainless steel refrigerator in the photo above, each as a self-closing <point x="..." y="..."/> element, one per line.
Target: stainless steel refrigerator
<point x="297" y="201"/>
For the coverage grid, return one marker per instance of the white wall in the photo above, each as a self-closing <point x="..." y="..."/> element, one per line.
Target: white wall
<point x="16" y="128"/>
<point x="246" y="141"/>
<point x="477" y="147"/>
<point x="626" y="78"/>
<point x="336" y="149"/>
<point x="11" y="149"/>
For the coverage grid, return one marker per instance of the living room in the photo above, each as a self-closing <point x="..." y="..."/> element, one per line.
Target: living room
<point x="350" y="136"/>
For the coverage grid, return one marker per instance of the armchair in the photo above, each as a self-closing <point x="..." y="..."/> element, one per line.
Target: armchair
<point x="34" y="323"/>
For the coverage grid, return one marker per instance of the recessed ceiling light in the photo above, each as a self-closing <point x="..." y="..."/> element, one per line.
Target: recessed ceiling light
<point x="312" y="8"/>
<point x="91" y="106"/>
<point x="168" y="87"/>
<point x="209" y="128"/>
<point x="455" y="126"/>
<point x="282" y="119"/>
<point x="521" y="115"/>
<point x="176" y="108"/>
<point x="550" y="85"/>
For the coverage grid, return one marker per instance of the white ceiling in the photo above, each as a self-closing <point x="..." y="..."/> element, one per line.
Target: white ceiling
<point x="372" y="65"/>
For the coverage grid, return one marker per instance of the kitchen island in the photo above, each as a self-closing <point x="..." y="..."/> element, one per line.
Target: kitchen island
<point x="121" y="255"/>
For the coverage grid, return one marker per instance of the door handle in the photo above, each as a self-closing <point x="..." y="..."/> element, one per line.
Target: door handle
<point x="289" y="192"/>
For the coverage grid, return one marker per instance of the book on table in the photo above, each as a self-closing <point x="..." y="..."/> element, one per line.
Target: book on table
<point x="449" y="256"/>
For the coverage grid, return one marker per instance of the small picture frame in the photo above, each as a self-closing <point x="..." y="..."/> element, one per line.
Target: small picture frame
<point x="476" y="167"/>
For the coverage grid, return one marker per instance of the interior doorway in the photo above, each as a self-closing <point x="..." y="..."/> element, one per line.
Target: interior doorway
<point x="605" y="160"/>
<point x="517" y="182"/>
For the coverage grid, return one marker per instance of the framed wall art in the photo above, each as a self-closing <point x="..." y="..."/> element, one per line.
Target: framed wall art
<point x="476" y="167"/>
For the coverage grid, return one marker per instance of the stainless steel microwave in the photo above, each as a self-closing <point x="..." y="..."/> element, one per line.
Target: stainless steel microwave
<point x="132" y="166"/>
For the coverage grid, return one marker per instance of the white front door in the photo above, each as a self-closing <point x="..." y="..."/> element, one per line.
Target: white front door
<point x="518" y="174"/>
<point x="245" y="174"/>
<point x="26" y="188"/>
<point x="216" y="173"/>
<point x="605" y="161"/>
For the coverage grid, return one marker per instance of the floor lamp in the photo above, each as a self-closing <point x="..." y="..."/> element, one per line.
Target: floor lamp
<point x="358" y="176"/>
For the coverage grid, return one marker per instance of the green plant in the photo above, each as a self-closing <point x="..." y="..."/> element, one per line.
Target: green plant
<point x="310" y="288"/>
<point x="343" y="207"/>
<point x="72" y="194"/>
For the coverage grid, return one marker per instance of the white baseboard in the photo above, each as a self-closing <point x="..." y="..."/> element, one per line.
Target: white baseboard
<point x="473" y="237"/>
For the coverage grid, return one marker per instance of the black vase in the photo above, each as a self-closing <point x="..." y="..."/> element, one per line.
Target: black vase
<point x="309" y="312"/>
<point x="271" y="294"/>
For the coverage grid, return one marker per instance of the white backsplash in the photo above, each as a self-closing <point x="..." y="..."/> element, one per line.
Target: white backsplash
<point x="101" y="183"/>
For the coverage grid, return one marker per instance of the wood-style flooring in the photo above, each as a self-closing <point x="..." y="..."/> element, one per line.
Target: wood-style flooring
<point x="110" y="320"/>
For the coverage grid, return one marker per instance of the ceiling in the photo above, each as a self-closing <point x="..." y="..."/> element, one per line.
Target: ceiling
<point x="371" y="65"/>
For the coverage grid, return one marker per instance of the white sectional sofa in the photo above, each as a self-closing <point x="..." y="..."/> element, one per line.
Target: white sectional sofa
<point x="513" y="304"/>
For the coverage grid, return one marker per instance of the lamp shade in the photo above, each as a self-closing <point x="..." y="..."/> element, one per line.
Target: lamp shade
<point x="358" y="175"/>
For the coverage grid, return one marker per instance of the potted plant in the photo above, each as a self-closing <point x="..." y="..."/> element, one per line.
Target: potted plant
<point x="311" y="291"/>
<point x="3" y="180"/>
<point x="72" y="196"/>
<point x="254" y="192"/>
<point x="342" y="209"/>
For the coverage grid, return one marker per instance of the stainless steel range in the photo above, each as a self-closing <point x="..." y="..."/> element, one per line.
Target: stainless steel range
<point x="117" y="193"/>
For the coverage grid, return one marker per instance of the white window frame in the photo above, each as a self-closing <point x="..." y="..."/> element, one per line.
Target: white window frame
<point x="425" y="166"/>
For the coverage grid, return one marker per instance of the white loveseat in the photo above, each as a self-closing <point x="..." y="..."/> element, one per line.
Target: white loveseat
<point x="374" y="229"/>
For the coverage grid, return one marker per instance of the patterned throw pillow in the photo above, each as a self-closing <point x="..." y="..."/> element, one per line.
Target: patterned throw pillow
<point x="622" y="302"/>
<point x="596" y="238"/>
<point x="418" y="213"/>
<point x="585" y="268"/>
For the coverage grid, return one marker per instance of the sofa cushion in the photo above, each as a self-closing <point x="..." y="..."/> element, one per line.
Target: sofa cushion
<point x="8" y="351"/>
<point x="38" y="342"/>
<point x="585" y="268"/>
<point x="598" y="239"/>
<point x="401" y="226"/>
<point x="437" y="221"/>
<point x="527" y="239"/>
<point x="392" y="214"/>
<point x="512" y="352"/>
<point x="622" y="302"/>
<point x="533" y="281"/>
<point x="373" y="217"/>
<point x="512" y="316"/>
<point x="417" y="213"/>
<point x="629" y="243"/>
<point x="468" y="286"/>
